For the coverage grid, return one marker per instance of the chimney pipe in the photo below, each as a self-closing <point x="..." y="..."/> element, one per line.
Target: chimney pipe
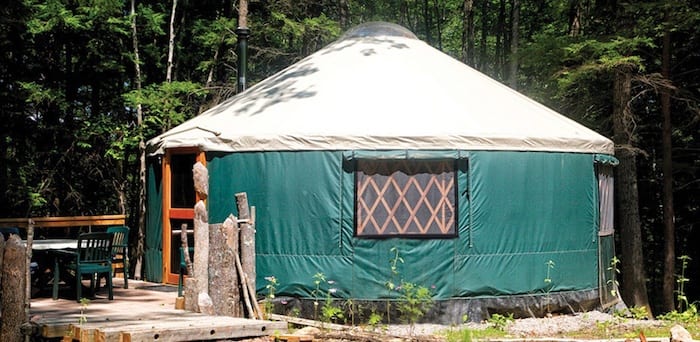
<point x="243" y="33"/>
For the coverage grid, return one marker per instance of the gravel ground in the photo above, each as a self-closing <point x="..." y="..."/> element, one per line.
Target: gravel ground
<point x="555" y="326"/>
<point x="528" y="327"/>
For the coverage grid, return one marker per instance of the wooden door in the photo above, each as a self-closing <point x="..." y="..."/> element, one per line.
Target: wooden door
<point x="179" y="198"/>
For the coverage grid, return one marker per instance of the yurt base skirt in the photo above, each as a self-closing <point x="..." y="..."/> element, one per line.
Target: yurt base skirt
<point x="450" y="311"/>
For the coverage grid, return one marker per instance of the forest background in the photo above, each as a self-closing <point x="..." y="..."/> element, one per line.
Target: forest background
<point x="83" y="83"/>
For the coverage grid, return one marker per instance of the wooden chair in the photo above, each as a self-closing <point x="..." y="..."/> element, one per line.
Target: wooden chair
<point x="93" y="257"/>
<point x="120" y="251"/>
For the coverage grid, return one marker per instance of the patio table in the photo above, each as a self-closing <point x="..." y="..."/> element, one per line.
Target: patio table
<point x="42" y="262"/>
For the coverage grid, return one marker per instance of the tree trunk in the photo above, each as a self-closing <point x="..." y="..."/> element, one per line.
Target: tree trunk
<point x="13" y="290"/>
<point x="514" y="41"/>
<point x="171" y="44"/>
<point x="141" y="229"/>
<point x="634" y="288"/>
<point x="468" y="32"/>
<point x="500" y="33"/>
<point x="438" y="23"/>
<point x="669" y="224"/>
<point x="243" y="33"/>
<point x="427" y="23"/>
<point x="575" y="18"/>
<point x="343" y="14"/>
<point x="481" y="63"/>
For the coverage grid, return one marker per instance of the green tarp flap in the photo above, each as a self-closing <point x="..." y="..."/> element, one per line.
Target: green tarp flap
<point x="606" y="159"/>
<point x="516" y="212"/>
<point x="608" y="268"/>
<point x="154" y="236"/>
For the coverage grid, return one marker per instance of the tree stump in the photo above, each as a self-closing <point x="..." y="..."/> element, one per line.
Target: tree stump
<point x="13" y="290"/>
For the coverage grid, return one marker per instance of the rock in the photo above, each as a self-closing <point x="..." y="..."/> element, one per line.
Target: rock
<point x="311" y="331"/>
<point x="679" y="334"/>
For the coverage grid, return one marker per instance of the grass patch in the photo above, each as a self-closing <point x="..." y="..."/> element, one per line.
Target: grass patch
<point x="613" y="329"/>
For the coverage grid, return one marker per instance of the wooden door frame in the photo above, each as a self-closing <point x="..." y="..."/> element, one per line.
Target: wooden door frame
<point x="171" y="276"/>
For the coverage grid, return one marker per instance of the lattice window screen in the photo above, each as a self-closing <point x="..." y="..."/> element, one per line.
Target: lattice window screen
<point x="405" y="197"/>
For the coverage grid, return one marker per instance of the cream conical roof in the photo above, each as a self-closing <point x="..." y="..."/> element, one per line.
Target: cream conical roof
<point x="379" y="87"/>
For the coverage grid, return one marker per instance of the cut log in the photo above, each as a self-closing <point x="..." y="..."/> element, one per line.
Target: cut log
<point x="201" y="247"/>
<point x="223" y="279"/>
<point x="200" y="174"/>
<point x="247" y="239"/>
<point x="246" y="294"/>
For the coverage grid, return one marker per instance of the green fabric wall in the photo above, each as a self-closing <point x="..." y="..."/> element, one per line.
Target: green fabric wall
<point x="516" y="212"/>
<point x="528" y="209"/>
<point x="153" y="249"/>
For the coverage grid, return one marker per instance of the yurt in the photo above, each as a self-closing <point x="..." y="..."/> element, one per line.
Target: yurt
<point x="380" y="160"/>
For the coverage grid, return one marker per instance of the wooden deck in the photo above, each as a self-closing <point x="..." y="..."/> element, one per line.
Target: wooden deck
<point x="144" y="312"/>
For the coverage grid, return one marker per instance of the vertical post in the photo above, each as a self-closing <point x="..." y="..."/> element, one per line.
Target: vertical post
<point x="28" y="265"/>
<point x="247" y="239"/>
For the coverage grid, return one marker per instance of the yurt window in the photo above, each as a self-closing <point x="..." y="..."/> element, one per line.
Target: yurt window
<point x="606" y="200"/>
<point x="405" y="198"/>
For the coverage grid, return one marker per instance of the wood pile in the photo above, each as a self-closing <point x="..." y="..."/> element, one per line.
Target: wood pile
<point x="222" y="280"/>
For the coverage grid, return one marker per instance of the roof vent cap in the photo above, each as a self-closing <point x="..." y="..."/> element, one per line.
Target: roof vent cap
<point x="377" y="29"/>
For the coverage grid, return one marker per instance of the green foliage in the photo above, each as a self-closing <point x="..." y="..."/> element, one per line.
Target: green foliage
<point x="329" y="311"/>
<point x="414" y="302"/>
<point x="500" y="322"/>
<point x="635" y="312"/>
<point x="689" y="316"/>
<point x="374" y="320"/>
<point x="595" y="56"/>
<point x="461" y="335"/>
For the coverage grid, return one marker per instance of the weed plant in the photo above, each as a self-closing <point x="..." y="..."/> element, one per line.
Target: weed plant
<point x="329" y="311"/>
<point x="271" y="288"/>
<point x="548" y="284"/>
<point x="500" y="322"/>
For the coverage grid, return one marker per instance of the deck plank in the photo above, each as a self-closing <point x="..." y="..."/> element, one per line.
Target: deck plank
<point x="191" y="330"/>
<point x="137" y="314"/>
